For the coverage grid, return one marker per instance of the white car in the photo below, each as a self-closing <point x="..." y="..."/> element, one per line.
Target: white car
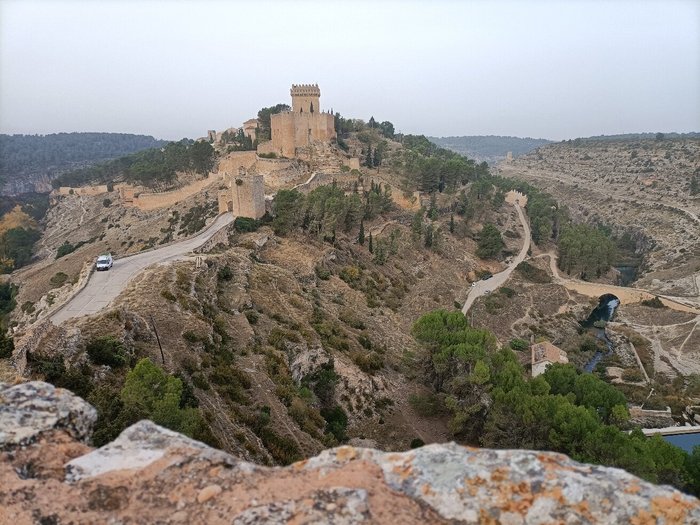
<point x="104" y="262"/>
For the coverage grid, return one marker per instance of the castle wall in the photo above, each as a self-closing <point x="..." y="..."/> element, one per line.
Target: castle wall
<point x="265" y="166"/>
<point x="235" y="160"/>
<point x="83" y="190"/>
<point x="283" y="133"/>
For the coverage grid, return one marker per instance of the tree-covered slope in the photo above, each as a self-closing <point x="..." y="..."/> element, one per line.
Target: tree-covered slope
<point x="489" y="148"/>
<point x="26" y="160"/>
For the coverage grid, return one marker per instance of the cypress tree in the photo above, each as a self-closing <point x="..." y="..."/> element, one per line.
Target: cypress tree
<point x="452" y="223"/>
<point x="361" y="236"/>
<point x="371" y="247"/>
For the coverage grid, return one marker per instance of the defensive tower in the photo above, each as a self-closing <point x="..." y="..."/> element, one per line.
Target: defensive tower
<point x="305" y="98"/>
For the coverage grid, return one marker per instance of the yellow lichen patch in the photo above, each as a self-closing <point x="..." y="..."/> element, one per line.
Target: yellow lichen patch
<point x="674" y="509"/>
<point x="632" y="489"/>
<point x="403" y="471"/>
<point x="346" y="454"/>
<point x="299" y="465"/>
<point x="643" y="517"/>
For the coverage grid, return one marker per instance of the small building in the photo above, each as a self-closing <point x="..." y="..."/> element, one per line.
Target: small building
<point x="544" y="354"/>
<point x="250" y="128"/>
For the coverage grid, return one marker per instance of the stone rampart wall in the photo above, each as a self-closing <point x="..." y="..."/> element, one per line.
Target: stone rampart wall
<point x="83" y="190"/>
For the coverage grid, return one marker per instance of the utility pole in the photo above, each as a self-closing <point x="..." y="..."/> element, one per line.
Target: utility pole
<point x="162" y="355"/>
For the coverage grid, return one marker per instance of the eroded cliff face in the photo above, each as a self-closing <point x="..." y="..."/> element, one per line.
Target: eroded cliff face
<point x="152" y="475"/>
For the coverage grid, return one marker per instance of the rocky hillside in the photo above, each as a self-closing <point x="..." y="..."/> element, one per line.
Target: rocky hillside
<point x="149" y="474"/>
<point x="639" y="187"/>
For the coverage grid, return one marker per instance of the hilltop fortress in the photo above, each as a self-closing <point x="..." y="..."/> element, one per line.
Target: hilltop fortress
<point x="294" y="131"/>
<point x="300" y="153"/>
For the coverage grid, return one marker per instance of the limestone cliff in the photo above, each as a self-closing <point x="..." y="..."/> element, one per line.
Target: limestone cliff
<point x="152" y="475"/>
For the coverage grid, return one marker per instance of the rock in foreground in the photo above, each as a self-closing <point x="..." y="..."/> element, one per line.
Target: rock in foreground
<point x="152" y="475"/>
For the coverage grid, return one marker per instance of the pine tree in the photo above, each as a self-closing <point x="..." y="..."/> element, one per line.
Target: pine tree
<point x="452" y="223"/>
<point x="371" y="246"/>
<point x="429" y="236"/>
<point x="368" y="158"/>
<point x="361" y="236"/>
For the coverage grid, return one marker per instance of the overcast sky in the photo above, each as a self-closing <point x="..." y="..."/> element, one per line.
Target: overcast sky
<point x="171" y="69"/>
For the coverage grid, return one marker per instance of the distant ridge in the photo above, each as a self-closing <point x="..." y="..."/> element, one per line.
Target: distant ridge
<point x="489" y="148"/>
<point x="29" y="162"/>
<point x="641" y="136"/>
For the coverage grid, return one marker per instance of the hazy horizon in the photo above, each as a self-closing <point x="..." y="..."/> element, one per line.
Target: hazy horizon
<point x="536" y="69"/>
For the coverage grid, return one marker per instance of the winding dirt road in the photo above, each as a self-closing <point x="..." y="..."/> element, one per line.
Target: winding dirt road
<point x="481" y="287"/>
<point x="104" y="287"/>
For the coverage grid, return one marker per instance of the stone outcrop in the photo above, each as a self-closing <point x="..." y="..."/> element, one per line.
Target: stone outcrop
<point x="29" y="409"/>
<point x="153" y="475"/>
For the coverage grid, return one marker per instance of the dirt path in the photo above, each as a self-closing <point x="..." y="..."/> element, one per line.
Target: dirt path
<point x="487" y="286"/>
<point x="626" y="294"/>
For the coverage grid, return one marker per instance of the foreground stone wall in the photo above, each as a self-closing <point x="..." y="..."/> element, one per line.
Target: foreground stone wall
<point x="153" y="475"/>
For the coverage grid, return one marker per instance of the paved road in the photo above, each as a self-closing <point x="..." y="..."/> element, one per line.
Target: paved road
<point x="104" y="287"/>
<point x="498" y="279"/>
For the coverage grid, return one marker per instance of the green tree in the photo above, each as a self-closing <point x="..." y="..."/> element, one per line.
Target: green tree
<point x="452" y="223"/>
<point x="288" y="209"/>
<point x="149" y="390"/>
<point x="490" y="241"/>
<point x="371" y="246"/>
<point x="361" y="235"/>
<point x="694" y="185"/>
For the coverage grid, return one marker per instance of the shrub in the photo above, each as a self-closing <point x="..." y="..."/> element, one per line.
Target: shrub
<point x="417" y="442"/>
<point x="107" y="203"/>
<point x="322" y="273"/>
<point x="65" y="249"/>
<point x="245" y="224"/>
<point x="368" y="362"/>
<point x="7" y="345"/>
<point x="633" y="375"/>
<point x="654" y="302"/>
<point x="252" y="316"/>
<point x="168" y="295"/>
<point x="28" y="307"/>
<point x="532" y="273"/>
<point x="225" y="273"/>
<point x="107" y="350"/>
<point x="58" y="280"/>
<point x="518" y="344"/>
<point x="336" y="422"/>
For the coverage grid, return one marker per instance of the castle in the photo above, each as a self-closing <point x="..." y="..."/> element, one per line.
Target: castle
<point x="302" y="126"/>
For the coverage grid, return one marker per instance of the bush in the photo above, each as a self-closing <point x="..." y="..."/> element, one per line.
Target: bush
<point x="107" y="203"/>
<point x="322" y="273"/>
<point x="425" y="405"/>
<point x="368" y="362"/>
<point x="168" y="295"/>
<point x="7" y="345"/>
<point x="225" y="273"/>
<point x="655" y="302"/>
<point x="65" y="249"/>
<point x="58" y="280"/>
<point x="336" y="422"/>
<point x="633" y="375"/>
<point x="518" y="344"/>
<point x="107" y="350"/>
<point x="245" y="224"/>
<point x="417" y="442"/>
<point x="533" y="274"/>
<point x="252" y="316"/>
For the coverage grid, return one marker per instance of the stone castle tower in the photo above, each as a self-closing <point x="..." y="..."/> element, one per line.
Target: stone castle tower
<point x="244" y="195"/>
<point x="302" y="126"/>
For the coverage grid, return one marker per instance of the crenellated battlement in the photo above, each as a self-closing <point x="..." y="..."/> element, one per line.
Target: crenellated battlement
<point x="305" y="90"/>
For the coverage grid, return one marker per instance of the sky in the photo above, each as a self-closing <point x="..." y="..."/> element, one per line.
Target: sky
<point x="172" y="69"/>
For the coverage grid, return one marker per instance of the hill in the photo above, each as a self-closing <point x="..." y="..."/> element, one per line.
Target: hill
<point x="30" y="162"/>
<point x="490" y="148"/>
